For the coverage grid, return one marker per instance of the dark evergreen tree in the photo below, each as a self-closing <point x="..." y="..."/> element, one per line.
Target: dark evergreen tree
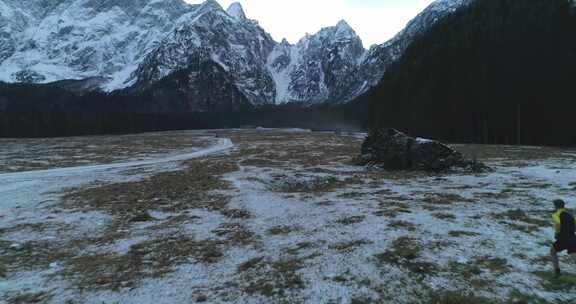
<point x="496" y="71"/>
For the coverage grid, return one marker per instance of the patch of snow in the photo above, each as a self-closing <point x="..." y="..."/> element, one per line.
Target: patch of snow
<point x="423" y="140"/>
<point x="235" y="10"/>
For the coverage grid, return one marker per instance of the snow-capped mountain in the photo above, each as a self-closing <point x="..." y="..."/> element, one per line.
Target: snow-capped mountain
<point x="237" y="44"/>
<point x="46" y="41"/>
<point x="332" y="65"/>
<point x="319" y="68"/>
<point x="118" y="44"/>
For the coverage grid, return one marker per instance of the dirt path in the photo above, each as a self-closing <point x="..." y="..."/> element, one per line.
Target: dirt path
<point x="22" y="192"/>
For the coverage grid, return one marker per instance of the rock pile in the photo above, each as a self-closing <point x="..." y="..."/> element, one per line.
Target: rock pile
<point x="393" y="150"/>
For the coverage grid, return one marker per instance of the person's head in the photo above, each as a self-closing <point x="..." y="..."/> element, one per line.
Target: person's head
<point x="559" y="204"/>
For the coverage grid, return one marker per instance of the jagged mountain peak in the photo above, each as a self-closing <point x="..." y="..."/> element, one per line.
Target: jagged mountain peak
<point x="210" y="34"/>
<point x="319" y="68"/>
<point x="343" y="25"/>
<point x="210" y="5"/>
<point x="446" y="5"/>
<point x="237" y="11"/>
<point x="342" y="31"/>
<point x="284" y="42"/>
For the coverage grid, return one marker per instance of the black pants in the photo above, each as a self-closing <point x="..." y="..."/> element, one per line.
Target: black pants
<point x="562" y="244"/>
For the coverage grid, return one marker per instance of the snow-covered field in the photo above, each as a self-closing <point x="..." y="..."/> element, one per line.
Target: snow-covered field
<point x="280" y="216"/>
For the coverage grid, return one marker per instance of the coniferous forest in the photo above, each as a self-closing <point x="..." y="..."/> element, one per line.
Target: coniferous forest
<point x="44" y="110"/>
<point x="497" y="71"/>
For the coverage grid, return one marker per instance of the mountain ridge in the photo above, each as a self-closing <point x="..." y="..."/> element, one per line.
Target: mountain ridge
<point x="136" y="43"/>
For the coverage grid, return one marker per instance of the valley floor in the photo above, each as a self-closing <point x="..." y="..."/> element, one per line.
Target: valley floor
<point x="274" y="216"/>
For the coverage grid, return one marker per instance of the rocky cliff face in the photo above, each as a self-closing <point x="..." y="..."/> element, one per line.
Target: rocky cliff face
<point x="319" y="68"/>
<point x="230" y="40"/>
<point x="186" y="91"/>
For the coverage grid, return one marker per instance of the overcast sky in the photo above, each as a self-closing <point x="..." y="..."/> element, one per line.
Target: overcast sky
<point x="375" y="21"/>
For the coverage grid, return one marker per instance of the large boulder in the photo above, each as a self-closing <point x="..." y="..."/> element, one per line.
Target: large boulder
<point x="393" y="150"/>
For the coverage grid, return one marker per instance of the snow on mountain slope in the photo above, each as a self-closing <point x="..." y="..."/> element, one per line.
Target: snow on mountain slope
<point x="314" y="70"/>
<point x="280" y="63"/>
<point x="143" y="41"/>
<point x="237" y="11"/>
<point x="209" y="33"/>
<point x="332" y="66"/>
<point x="79" y="39"/>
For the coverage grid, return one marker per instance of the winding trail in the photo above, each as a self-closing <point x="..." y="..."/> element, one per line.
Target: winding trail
<point x="21" y="192"/>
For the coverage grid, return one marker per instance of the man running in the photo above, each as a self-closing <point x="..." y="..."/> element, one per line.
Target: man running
<point x="565" y="234"/>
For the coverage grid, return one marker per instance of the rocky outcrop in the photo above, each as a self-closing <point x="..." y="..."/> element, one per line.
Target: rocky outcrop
<point x="393" y="150"/>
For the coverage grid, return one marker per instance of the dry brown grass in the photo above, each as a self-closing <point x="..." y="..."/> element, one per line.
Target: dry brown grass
<point x="282" y="230"/>
<point x="459" y="233"/>
<point x="31" y="255"/>
<point x="308" y="150"/>
<point x="309" y="184"/>
<point x="404" y="225"/>
<point x="29" y="298"/>
<point x="444" y="216"/>
<point x="152" y="258"/>
<point x="236" y="234"/>
<point x="352" y="195"/>
<point x="272" y="278"/>
<point x="391" y="209"/>
<point x="251" y="264"/>
<point x="351" y="220"/>
<point x="351" y="245"/>
<point x="520" y="220"/>
<point x="168" y="192"/>
<point x="296" y="249"/>
<point x="492" y="264"/>
<point x="405" y="252"/>
<point x="479" y="265"/>
<point x="261" y="163"/>
<point x="37" y="154"/>
<point x="445" y="199"/>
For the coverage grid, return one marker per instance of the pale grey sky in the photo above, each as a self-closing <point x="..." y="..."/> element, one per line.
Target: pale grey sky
<point x="375" y="21"/>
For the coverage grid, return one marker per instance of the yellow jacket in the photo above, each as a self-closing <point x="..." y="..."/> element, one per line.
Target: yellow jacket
<point x="556" y="220"/>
